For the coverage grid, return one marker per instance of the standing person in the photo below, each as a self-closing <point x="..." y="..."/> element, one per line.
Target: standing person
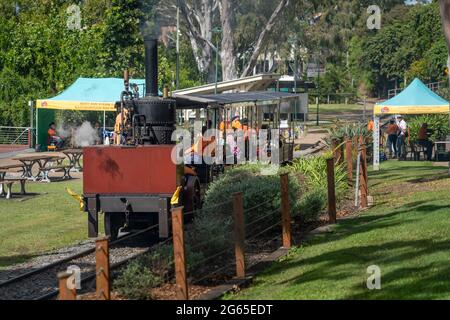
<point x="392" y="130"/>
<point x="423" y="139"/>
<point x="370" y="125"/>
<point x="120" y="137"/>
<point x="401" y="139"/>
<point x="100" y="134"/>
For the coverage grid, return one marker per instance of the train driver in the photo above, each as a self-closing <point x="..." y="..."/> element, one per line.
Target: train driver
<point x="118" y="137"/>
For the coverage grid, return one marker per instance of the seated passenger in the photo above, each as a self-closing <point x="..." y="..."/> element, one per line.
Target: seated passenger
<point x="423" y="139"/>
<point x="194" y="155"/>
<point x="53" y="137"/>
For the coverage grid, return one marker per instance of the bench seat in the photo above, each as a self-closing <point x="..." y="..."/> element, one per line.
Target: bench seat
<point x="8" y="183"/>
<point x="58" y="168"/>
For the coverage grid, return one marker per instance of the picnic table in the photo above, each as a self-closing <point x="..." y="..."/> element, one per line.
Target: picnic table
<point x="74" y="156"/>
<point x="5" y="169"/>
<point x="7" y="182"/>
<point x="42" y="161"/>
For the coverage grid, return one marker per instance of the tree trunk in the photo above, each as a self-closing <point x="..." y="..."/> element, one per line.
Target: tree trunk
<point x="227" y="54"/>
<point x="199" y="25"/>
<point x="263" y="37"/>
<point x="445" y="17"/>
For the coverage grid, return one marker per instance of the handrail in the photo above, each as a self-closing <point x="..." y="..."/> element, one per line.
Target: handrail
<point x="15" y="135"/>
<point x="433" y="86"/>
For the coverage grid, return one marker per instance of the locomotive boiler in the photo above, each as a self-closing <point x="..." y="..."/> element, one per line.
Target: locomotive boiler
<point x="133" y="183"/>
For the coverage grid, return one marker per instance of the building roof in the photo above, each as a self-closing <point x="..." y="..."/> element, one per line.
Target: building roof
<point x="252" y="83"/>
<point x="203" y="100"/>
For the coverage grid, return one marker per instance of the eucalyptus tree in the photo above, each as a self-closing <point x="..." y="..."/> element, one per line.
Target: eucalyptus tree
<point x="444" y="6"/>
<point x="202" y="16"/>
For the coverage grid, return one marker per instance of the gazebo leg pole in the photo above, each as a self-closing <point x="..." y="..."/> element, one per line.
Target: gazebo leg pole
<point x="376" y="143"/>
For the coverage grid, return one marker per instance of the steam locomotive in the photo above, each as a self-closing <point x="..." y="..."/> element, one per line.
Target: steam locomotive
<point x="133" y="183"/>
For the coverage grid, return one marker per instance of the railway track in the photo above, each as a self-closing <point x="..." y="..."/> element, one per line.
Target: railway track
<point x="41" y="283"/>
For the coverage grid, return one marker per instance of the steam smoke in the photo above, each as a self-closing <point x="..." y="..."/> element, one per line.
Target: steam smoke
<point x="156" y="16"/>
<point x="63" y="131"/>
<point x="85" y="135"/>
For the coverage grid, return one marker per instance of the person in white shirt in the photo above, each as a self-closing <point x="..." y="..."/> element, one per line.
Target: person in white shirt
<point x="402" y="130"/>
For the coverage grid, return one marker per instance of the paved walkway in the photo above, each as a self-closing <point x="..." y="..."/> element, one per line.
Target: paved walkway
<point x="8" y="150"/>
<point x="308" y="143"/>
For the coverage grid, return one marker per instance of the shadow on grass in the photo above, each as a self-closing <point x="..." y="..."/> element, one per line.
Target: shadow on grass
<point x="403" y="279"/>
<point x="425" y="179"/>
<point x="402" y="282"/>
<point x="21" y="197"/>
<point x="431" y="281"/>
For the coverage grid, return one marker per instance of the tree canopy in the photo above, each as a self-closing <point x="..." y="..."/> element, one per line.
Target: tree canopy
<point x="40" y="55"/>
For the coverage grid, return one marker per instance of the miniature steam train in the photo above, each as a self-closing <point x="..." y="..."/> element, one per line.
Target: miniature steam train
<point x="133" y="183"/>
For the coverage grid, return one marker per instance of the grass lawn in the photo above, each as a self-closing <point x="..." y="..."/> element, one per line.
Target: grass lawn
<point x="49" y="220"/>
<point x="406" y="234"/>
<point x="336" y="108"/>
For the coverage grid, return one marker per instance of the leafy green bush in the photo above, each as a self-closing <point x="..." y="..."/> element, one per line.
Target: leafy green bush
<point x="148" y="271"/>
<point x="136" y="280"/>
<point x="261" y="201"/>
<point x="312" y="203"/>
<point x="436" y="122"/>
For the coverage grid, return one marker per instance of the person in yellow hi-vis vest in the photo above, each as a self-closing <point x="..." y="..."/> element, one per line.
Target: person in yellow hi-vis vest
<point x="236" y="123"/>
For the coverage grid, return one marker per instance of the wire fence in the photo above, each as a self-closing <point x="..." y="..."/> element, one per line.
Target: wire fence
<point x="211" y="257"/>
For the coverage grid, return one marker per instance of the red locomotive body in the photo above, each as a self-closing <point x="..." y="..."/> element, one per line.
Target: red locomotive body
<point x="130" y="170"/>
<point x="131" y="185"/>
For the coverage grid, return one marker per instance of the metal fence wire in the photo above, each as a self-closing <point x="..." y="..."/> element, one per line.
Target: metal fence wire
<point x="210" y="246"/>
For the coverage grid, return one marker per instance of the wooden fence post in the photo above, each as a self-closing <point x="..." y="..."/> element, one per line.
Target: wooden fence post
<point x="239" y="234"/>
<point x="179" y="253"/>
<point x="349" y="156"/>
<point x="102" y="269"/>
<point x="361" y="140"/>
<point x="286" y="211"/>
<point x="363" y="177"/>
<point x="336" y="151"/>
<point x="66" y="293"/>
<point x="331" y="191"/>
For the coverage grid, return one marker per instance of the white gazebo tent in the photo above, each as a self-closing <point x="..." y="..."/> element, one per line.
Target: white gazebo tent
<point x="417" y="98"/>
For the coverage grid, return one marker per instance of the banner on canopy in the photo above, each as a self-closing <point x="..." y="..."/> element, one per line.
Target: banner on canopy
<point x="76" y="105"/>
<point x="382" y="109"/>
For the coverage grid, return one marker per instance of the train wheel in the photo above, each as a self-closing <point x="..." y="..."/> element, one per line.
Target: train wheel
<point x="113" y="223"/>
<point x="192" y="194"/>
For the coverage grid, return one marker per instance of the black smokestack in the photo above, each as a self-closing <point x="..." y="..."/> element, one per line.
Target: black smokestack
<point x="151" y="67"/>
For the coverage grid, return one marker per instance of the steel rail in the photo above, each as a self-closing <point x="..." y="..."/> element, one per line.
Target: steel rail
<point x="70" y="258"/>
<point x="92" y="275"/>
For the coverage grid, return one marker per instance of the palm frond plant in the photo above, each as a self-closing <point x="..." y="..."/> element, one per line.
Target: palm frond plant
<point x="314" y="170"/>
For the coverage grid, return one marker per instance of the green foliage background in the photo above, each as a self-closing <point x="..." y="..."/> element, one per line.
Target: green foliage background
<point x="40" y="56"/>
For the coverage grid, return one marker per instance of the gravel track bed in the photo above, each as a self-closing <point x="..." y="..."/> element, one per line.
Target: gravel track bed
<point x="45" y="282"/>
<point x="43" y="260"/>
